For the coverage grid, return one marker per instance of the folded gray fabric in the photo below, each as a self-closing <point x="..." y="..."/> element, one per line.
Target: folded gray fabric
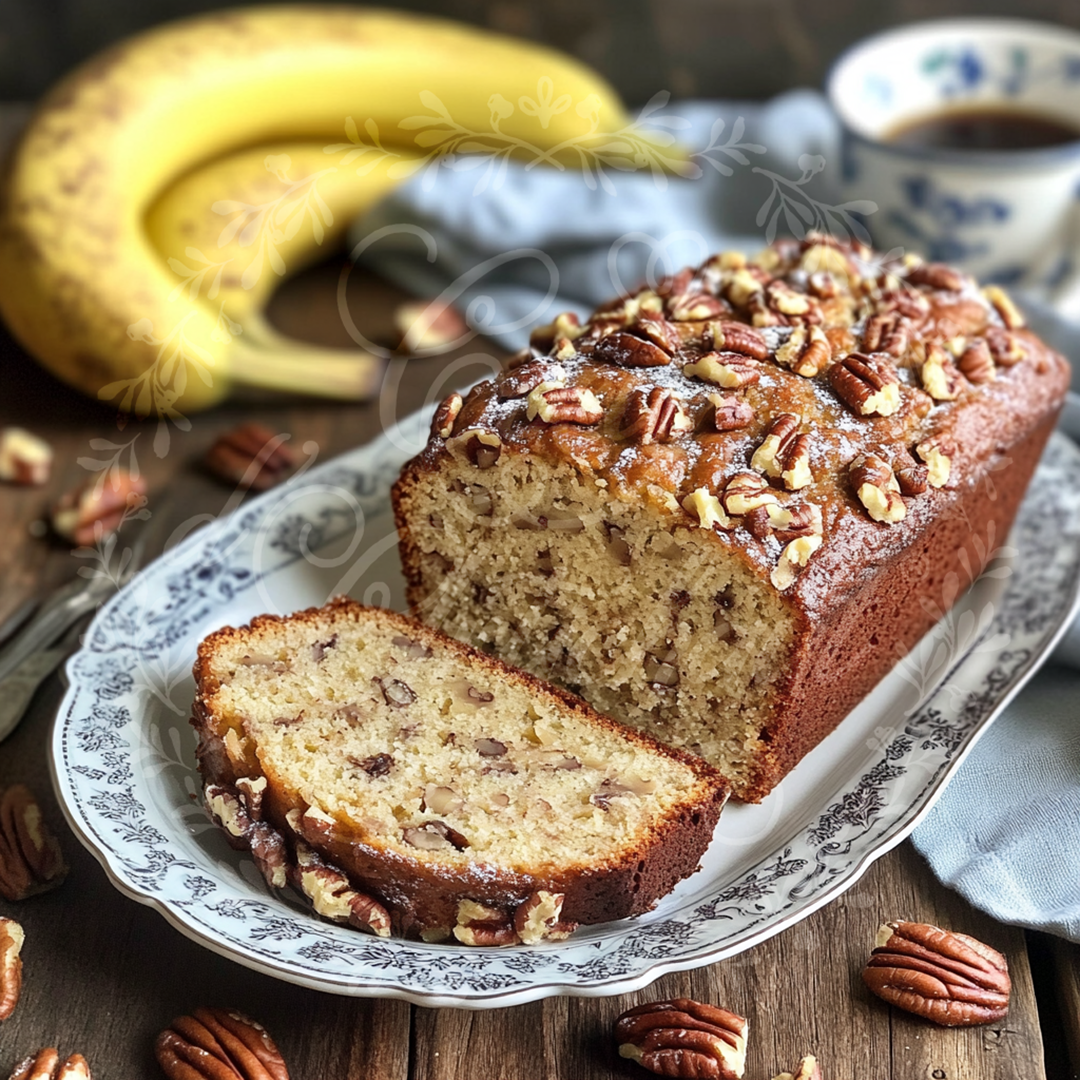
<point x="1006" y="833"/>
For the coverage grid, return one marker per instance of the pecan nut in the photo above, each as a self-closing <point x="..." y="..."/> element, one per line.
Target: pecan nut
<point x="807" y="1069"/>
<point x="30" y="857"/>
<point x="238" y="810"/>
<point x="46" y="1065"/>
<point x="937" y="454"/>
<point x="330" y="891"/>
<point x="251" y="456"/>
<point x="442" y="423"/>
<point x="683" y="1038"/>
<point x="807" y="351"/>
<point x="731" y="413"/>
<point x="952" y="979"/>
<point x="98" y="508"/>
<point x="793" y="558"/>
<point x="652" y="416"/>
<point x="480" y="925"/>
<point x="479" y="446"/>
<point x="11" y="942"/>
<point x="977" y="363"/>
<point x="658" y="330"/>
<point x="731" y="370"/>
<point x="24" y="458"/>
<point x="939" y="376"/>
<point x="746" y="491"/>
<point x="784" y="454"/>
<point x="567" y="326"/>
<point x="887" y="332"/>
<point x="737" y="337"/>
<point x="1005" y="347"/>
<point x="628" y="350"/>
<point x="564" y="404"/>
<point x="218" y="1044"/>
<point x="937" y="275"/>
<point x="695" y="307"/>
<point x="537" y="918"/>
<point x="878" y="489"/>
<point x="707" y="509"/>
<point x="868" y="385"/>
<point x="1011" y="316"/>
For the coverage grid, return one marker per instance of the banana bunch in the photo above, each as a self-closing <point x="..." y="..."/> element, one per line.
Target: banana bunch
<point x="160" y="192"/>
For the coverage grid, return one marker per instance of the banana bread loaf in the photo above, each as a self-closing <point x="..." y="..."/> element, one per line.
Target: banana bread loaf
<point x="722" y="508"/>
<point x="406" y="783"/>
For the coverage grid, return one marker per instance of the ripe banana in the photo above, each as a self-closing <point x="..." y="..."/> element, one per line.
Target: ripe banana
<point x="80" y="282"/>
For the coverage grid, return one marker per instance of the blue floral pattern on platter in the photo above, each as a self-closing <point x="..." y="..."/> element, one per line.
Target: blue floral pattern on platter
<point x="124" y="768"/>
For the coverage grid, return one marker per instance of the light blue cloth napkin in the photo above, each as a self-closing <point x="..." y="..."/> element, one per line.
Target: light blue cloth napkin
<point x="514" y="251"/>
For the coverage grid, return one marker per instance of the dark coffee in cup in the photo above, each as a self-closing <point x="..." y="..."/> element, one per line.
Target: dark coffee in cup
<point x="991" y="127"/>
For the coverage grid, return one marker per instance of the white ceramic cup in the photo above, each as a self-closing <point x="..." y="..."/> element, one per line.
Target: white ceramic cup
<point x="1005" y="215"/>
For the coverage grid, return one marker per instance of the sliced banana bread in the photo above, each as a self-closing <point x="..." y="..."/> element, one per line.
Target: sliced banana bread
<point x="409" y="784"/>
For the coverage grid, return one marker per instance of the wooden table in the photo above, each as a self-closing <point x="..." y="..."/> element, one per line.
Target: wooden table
<point x="103" y="975"/>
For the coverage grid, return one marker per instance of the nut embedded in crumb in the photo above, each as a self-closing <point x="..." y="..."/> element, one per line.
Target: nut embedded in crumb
<point x="217" y="1044"/>
<point x="251" y="456"/>
<point x="25" y="458"/>
<point x="99" y="507"/>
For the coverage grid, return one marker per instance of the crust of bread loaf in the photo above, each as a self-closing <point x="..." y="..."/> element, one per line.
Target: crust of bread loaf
<point x="422" y="894"/>
<point x="872" y="590"/>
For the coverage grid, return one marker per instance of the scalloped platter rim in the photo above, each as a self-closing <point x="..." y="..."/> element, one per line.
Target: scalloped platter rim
<point x="123" y="751"/>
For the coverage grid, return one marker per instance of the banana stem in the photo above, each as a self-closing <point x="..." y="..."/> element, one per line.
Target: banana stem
<point x="299" y="368"/>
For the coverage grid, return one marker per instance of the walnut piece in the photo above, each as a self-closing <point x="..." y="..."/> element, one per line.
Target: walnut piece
<point x="939" y="376"/>
<point x="24" y="458"/>
<point x="952" y="979"/>
<point x="218" y="1044"/>
<point x="731" y="413"/>
<point x="794" y="556"/>
<point x="537" y="919"/>
<point x="683" y="1038"/>
<point x="937" y="454"/>
<point x="30" y="857"/>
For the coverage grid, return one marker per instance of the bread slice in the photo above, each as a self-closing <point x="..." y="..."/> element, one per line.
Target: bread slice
<point x="408" y="783"/>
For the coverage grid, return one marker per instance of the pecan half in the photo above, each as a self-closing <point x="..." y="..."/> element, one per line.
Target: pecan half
<point x="706" y="509"/>
<point x="1005" y="347"/>
<point x="94" y="510"/>
<point x="731" y="413"/>
<point x="24" y="457"/>
<point x="913" y="479"/>
<point x="868" y="385"/>
<point x="218" y="1044"/>
<point x="46" y="1065"/>
<point x="629" y="350"/>
<point x="30" y="857"/>
<point x="11" y="943"/>
<point x="523" y="379"/>
<point x="737" y="337"/>
<point x="478" y="924"/>
<point x="887" y="332"/>
<point x="332" y="895"/>
<point x="442" y="423"/>
<point x="952" y="979"/>
<point x="939" y="376"/>
<point x="937" y="275"/>
<point x="564" y="404"/>
<point x="684" y="1038"/>
<point x="807" y="1069"/>
<point x="237" y="810"/>
<point x="746" y="491"/>
<point x="795" y="556"/>
<point x="658" y="330"/>
<point x="1011" y="316"/>
<point x="695" y="307"/>
<point x="937" y="453"/>
<point x="807" y="351"/>
<point x="786" y="523"/>
<point x="250" y="456"/>
<point x="536" y="918"/>
<point x="784" y="454"/>
<point x="654" y="415"/>
<point x="977" y="363"/>
<point x="567" y="326"/>
<point x="731" y="370"/>
<point x="878" y="489"/>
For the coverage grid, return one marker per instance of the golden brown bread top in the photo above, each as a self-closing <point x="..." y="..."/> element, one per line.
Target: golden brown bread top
<point x="815" y="400"/>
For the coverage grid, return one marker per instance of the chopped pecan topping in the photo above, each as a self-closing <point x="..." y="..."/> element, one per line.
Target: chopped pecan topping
<point x="977" y="363"/>
<point x="658" y="330"/>
<point x="731" y="413"/>
<point x="695" y="307"/>
<point x="537" y="918"/>
<point x="654" y="415"/>
<point x="888" y="332"/>
<point x="937" y="453"/>
<point x="939" y="376"/>
<point x="784" y="454"/>
<point x="730" y="370"/>
<point x="524" y="379"/>
<point x="1011" y="316"/>
<point x="737" y="337"/>
<point x="683" y="1038"/>
<point x="24" y="457"/>
<point x="807" y="351"/>
<point x="218" y="1044"/>
<point x="1006" y="347"/>
<point x="825" y="259"/>
<point x="795" y="556"/>
<point x="744" y="283"/>
<point x="567" y="326"/>
<point x="823" y="285"/>
<point x="705" y="507"/>
<point x="629" y="350"/>
<point x="746" y="491"/>
<point x="910" y="303"/>
<point x="564" y="404"/>
<point x="787" y="523"/>
<point x="807" y="1069"/>
<point x="937" y="276"/>
<point x="913" y="479"/>
<point x="868" y="385"/>
<point x="877" y="488"/>
<point x="951" y="979"/>
<point x="88" y="513"/>
<point x="480" y="447"/>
